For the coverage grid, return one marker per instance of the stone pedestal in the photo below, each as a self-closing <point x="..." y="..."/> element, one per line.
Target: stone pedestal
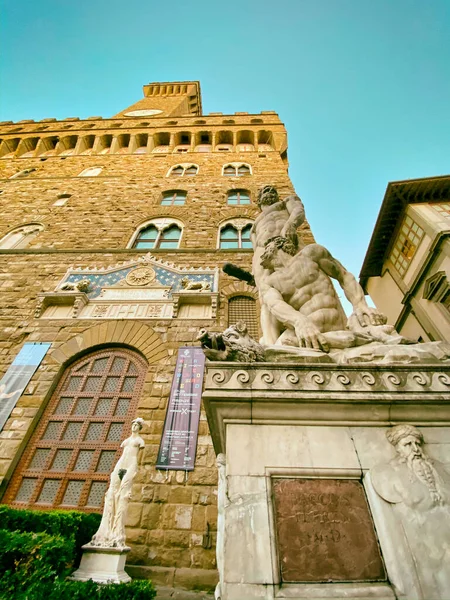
<point x="301" y="516"/>
<point x="103" y="565"/>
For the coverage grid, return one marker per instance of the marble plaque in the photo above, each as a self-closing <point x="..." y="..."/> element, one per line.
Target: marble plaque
<point x="130" y="294"/>
<point x="325" y="531"/>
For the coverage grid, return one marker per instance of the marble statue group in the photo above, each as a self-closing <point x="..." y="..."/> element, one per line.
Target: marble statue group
<point x="301" y="313"/>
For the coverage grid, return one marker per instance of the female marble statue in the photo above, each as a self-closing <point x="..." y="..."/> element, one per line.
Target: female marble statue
<point x="111" y="532"/>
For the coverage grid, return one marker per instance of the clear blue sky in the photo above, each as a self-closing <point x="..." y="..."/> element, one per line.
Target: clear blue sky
<point x="363" y="86"/>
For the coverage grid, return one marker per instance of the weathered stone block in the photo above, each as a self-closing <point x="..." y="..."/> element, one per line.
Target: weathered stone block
<point x="150" y="515"/>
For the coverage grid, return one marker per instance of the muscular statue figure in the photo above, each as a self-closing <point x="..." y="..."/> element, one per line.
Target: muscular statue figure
<point x="277" y="218"/>
<point x="296" y="288"/>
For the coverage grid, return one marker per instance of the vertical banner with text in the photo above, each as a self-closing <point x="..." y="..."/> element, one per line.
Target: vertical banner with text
<point x="179" y="438"/>
<point x="17" y="377"/>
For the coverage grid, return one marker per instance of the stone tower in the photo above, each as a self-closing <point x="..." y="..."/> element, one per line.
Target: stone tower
<point x="83" y="203"/>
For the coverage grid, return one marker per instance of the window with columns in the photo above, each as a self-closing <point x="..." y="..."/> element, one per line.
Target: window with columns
<point x="235" y="235"/>
<point x="236" y="169"/>
<point x="163" y="234"/>
<point x="68" y="460"/>
<point x="182" y="170"/>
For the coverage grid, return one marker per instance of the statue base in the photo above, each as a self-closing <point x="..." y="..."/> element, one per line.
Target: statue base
<point x="301" y="518"/>
<point x="103" y="565"/>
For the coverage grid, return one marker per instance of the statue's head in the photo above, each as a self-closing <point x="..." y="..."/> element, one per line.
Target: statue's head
<point x="137" y="424"/>
<point x="272" y="249"/>
<point x="267" y="195"/>
<point x="407" y="441"/>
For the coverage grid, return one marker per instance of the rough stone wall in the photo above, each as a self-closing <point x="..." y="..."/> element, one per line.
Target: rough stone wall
<point x="170" y="513"/>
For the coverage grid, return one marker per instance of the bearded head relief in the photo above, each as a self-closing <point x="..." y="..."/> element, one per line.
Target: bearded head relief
<point x="407" y="441"/>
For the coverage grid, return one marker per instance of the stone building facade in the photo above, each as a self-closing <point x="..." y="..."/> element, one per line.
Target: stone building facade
<point x="131" y="204"/>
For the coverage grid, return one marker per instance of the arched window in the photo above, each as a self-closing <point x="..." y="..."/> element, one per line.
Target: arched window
<point x="243" y="170"/>
<point x="235" y="234"/>
<point x="229" y="237"/>
<point x="174" y="198"/>
<point x="91" y="172"/>
<point x="169" y="238"/>
<point x="21" y="237"/>
<point x="245" y="237"/>
<point x="183" y="169"/>
<point x="236" y="169"/>
<point x="23" y="173"/>
<point x="243" y="308"/>
<point x="147" y="238"/>
<point x="164" y="234"/>
<point x="77" y="442"/>
<point x="238" y="197"/>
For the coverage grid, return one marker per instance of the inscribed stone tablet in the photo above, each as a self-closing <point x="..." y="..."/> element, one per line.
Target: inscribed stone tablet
<point x="325" y="531"/>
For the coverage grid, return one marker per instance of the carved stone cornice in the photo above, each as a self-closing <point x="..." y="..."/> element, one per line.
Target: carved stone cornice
<point x="324" y="394"/>
<point x="76" y="299"/>
<point x="316" y="377"/>
<point x="195" y="297"/>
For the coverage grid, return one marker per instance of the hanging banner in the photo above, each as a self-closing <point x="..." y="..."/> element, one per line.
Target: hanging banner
<point x="18" y="376"/>
<point x="179" y="438"/>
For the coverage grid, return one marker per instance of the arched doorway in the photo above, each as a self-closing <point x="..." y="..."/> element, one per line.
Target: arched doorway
<point x="69" y="457"/>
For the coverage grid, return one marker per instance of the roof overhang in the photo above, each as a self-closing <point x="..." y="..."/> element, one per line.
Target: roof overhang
<point x="397" y="197"/>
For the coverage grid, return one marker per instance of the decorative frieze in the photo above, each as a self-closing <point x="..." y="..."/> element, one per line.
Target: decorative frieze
<point x="323" y="378"/>
<point x="146" y="288"/>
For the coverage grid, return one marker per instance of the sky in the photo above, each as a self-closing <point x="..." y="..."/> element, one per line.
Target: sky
<point x="363" y="86"/>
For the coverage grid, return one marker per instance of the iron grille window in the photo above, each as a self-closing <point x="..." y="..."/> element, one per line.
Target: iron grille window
<point x="243" y="308"/>
<point x="72" y="452"/>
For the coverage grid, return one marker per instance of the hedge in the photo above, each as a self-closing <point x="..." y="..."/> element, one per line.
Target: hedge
<point x="61" y="589"/>
<point x="39" y="549"/>
<point x="68" y="524"/>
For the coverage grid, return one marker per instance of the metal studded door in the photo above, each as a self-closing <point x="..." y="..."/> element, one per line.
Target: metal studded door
<point x="76" y="444"/>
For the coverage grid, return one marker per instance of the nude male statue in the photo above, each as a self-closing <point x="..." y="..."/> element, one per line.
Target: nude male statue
<point x="296" y="288"/>
<point x="278" y="218"/>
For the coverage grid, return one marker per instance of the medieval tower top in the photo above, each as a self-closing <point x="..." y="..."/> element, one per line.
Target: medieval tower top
<point x="170" y="99"/>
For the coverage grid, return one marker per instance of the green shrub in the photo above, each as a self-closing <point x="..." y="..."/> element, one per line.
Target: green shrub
<point x="39" y="549"/>
<point x="28" y="558"/>
<point x="62" y="589"/>
<point x="68" y="524"/>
